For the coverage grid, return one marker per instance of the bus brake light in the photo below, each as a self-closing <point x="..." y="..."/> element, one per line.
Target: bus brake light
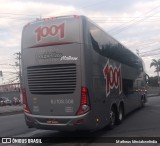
<point x="25" y="103"/>
<point x="84" y="103"/>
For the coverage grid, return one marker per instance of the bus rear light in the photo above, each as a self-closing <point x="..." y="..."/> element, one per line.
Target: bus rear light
<point x="25" y="103"/>
<point x="84" y="96"/>
<point x="84" y="103"/>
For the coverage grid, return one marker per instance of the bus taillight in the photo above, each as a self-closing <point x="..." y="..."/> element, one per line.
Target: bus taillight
<point x="25" y="103"/>
<point x="84" y="103"/>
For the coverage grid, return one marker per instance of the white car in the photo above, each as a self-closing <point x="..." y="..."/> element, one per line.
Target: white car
<point x="7" y="101"/>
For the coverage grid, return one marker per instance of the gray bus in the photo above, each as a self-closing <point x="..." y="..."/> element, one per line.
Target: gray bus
<point x="77" y="77"/>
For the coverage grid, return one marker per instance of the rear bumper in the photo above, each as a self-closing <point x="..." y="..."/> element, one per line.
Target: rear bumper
<point x="62" y="123"/>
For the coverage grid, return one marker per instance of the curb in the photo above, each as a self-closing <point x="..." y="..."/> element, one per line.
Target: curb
<point x="11" y="113"/>
<point x="152" y="95"/>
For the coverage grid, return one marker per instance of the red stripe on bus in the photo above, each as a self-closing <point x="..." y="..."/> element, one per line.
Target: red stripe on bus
<point x="50" y="44"/>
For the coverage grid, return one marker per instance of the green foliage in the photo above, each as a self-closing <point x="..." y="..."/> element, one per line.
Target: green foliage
<point x="156" y="64"/>
<point x="153" y="81"/>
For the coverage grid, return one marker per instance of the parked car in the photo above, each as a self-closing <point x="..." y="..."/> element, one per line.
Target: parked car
<point x="6" y="101"/>
<point x="16" y="101"/>
<point x="1" y="101"/>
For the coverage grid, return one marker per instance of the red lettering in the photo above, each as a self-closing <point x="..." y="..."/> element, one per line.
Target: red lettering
<point x="113" y="78"/>
<point x="44" y="31"/>
<point x="38" y="33"/>
<point x="107" y="73"/>
<point x="116" y="77"/>
<point x="61" y="30"/>
<point x="53" y="30"/>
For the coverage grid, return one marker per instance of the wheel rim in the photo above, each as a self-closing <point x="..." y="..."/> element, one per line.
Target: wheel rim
<point x="112" y="118"/>
<point x="142" y="102"/>
<point x="120" y="114"/>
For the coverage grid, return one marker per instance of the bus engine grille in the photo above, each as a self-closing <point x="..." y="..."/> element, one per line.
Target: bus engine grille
<point x="52" y="79"/>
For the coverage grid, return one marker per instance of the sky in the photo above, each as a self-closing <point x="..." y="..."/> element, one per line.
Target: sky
<point x="134" y="23"/>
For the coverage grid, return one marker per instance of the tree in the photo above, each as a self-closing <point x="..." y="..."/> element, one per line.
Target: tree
<point x="156" y="64"/>
<point x="153" y="81"/>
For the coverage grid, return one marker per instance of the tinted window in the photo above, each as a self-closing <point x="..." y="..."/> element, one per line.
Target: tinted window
<point x="105" y="45"/>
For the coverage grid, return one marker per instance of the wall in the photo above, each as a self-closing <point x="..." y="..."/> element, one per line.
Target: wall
<point x="10" y="94"/>
<point x="153" y="90"/>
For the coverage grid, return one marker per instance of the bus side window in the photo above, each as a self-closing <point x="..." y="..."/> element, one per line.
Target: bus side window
<point x="95" y="44"/>
<point x="127" y="86"/>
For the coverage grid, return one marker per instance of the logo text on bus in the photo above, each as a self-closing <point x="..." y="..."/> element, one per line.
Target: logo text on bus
<point x="113" y="78"/>
<point x="53" y="30"/>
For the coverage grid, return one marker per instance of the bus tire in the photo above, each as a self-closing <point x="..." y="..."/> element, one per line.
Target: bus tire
<point x="120" y="115"/>
<point x="112" y="118"/>
<point x="142" y="101"/>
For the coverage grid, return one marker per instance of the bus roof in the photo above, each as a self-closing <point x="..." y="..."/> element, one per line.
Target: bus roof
<point x="52" y="31"/>
<point x="52" y="19"/>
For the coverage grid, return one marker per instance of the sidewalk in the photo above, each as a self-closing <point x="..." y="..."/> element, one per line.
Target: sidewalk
<point x="151" y="95"/>
<point x="8" y="110"/>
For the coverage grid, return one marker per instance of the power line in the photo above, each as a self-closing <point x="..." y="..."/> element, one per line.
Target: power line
<point x="147" y="55"/>
<point x="17" y="18"/>
<point x="144" y="46"/>
<point x="147" y="48"/>
<point x="17" y="14"/>
<point x="150" y="51"/>
<point x="97" y="21"/>
<point x="125" y="26"/>
<point x="23" y="19"/>
<point x="150" y="54"/>
<point x="121" y="19"/>
<point x="145" y="43"/>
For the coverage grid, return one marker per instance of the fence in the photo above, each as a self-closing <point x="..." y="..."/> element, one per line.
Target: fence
<point x="153" y="90"/>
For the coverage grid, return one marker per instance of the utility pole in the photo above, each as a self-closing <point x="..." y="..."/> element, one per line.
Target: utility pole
<point x="1" y="75"/>
<point x="18" y="64"/>
<point x="137" y="52"/>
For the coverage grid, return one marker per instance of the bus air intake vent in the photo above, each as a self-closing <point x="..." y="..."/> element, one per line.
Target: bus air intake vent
<point x="52" y="79"/>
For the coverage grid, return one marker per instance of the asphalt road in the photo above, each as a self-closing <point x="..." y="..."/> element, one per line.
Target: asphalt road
<point x="143" y="122"/>
<point x="12" y="125"/>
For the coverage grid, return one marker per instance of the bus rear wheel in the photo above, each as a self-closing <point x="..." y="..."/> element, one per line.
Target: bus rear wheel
<point x="142" y="101"/>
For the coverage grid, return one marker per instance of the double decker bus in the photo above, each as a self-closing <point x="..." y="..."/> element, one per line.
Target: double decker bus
<point x="76" y="76"/>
